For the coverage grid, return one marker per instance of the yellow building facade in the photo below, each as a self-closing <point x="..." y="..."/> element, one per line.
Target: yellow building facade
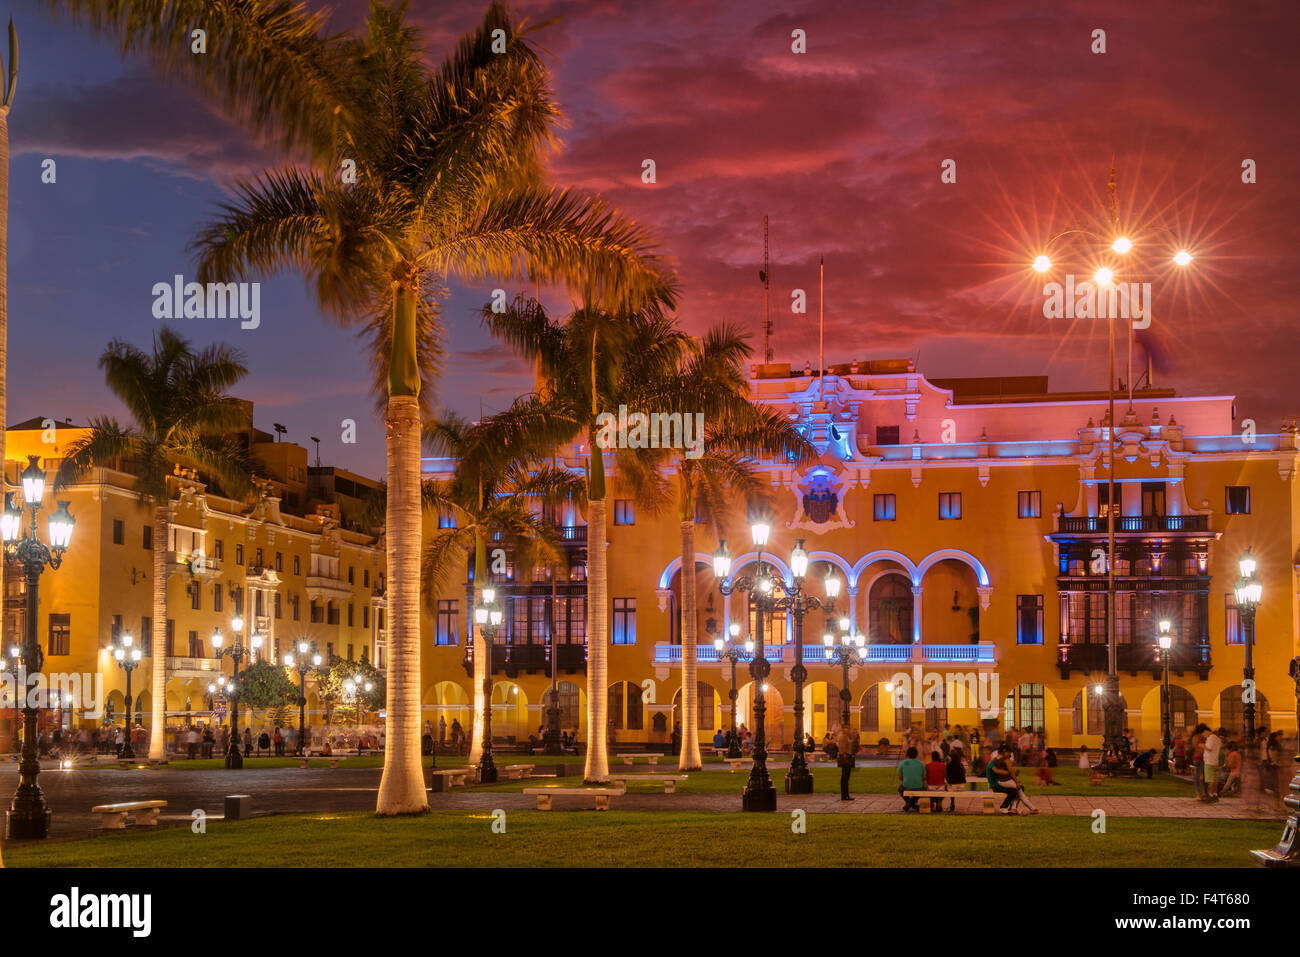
<point x="290" y="574"/>
<point x="967" y="521"/>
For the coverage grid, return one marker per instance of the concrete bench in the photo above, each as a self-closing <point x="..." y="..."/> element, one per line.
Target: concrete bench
<point x="652" y="758"/>
<point x="113" y="816"/>
<point x="516" y="772"/>
<point x="602" y="795"/>
<point x="333" y="759"/>
<point x="735" y="763"/>
<point x="985" y="795"/>
<point x="669" y="781"/>
<point x="450" y="778"/>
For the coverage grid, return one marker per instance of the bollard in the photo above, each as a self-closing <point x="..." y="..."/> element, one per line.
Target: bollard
<point x="239" y="807"/>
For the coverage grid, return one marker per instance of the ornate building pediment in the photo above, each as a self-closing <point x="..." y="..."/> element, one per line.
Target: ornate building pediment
<point x="819" y="499"/>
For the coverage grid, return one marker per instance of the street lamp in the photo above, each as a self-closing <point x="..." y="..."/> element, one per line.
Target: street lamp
<point x="28" y="816"/>
<point x="759" y="795"/>
<point x="1249" y="592"/>
<point x="16" y="664"/>
<point x="1166" y="642"/>
<point x="127" y="654"/>
<point x="488" y="617"/>
<point x="355" y="690"/>
<point x="1120" y="244"/>
<point x="237" y="651"/>
<point x="734" y="650"/>
<point x="846" y="653"/>
<point x="307" y="660"/>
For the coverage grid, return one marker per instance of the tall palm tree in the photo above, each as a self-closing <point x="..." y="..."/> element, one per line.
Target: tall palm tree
<point x="591" y="363"/>
<point x="499" y="477"/>
<point x="5" y="103"/>
<point x="447" y="185"/>
<point x="183" y="416"/>
<point x="710" y="381"/>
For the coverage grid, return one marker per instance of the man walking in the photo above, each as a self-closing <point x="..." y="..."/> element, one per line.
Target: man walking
<point x="1213" y="747"/>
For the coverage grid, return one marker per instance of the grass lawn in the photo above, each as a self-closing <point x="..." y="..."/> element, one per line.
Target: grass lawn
<point x="873" y="781"/>
<point x="210" y="764"/>
<point x="667" y="839"/>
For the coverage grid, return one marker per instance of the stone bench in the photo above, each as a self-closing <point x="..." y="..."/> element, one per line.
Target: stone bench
<point x="113" y="816"/>
<point x="653" y="759"/>
<point x="669" y="781"/>
<point x="516" y="772"/>
<point x="985" y="795"/>
<point x="449" y="778"/>
<point x="602" y="795"/>
<point x="333" y="759"/>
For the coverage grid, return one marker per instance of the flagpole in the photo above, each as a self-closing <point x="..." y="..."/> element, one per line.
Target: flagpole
<point x="821" y="331"/>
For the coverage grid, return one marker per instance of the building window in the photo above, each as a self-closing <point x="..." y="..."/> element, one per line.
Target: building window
<point x="314" y="616"/>
<point x="169" y="639"/>
<point x="624" y="512"/>
<point x="297" y="608"/>
<point x="279" y="561"/>
<point x="297" y="565"/>
<point x="119" y="531"/>
<point x="146" y="635"/>
<point x="365" y="578"/>
<point x="446" y="518"/>
<point x="884" y="507"/>
<point x="350" y="658"/>
<point x="1029" y="619"/>
<point x="351" y="574"/>
<point x="351" y="612"/>
<point x="329" y="651"/>
<point x="624" y="628"/>
<point x="365" y="616"/>
<point x="257" y="558"/>
<point x="1238" y="499"/>
<point x="331" y="614"/>
<point x="1153" y="499"/>
<point x="886" y="435"/>
<point x="196" y="645"/>
<point x="216" y="597"/>
<point x="1234" y="632"/>
<point x="239" y="554"/>
<point x="60" y="634"/>
<point x="950" y="504"/>
<point x="196" y="601"/>
<point x="219" y="552"/>
<point x="277" y="604"/>
<point x="148" y="537"/>
<point x="1029" y="504"/>
<point x="448" y="621"/>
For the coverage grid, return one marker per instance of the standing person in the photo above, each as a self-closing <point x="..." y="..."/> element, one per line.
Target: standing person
<point x="278" y="740"/>
<point x="911" y="775"/>
<point x="442" y="729"/>
<point x="846" y="761"/>
<point x="1213" y="749"/>
<point x="1180" y="755"/>
<point x="1198" y="761"/>
<point x="1233" y="783"/>
<point x="426" y="738"/>
<point x="248" y="741"/>
<point x="936" y="778"/>
<point x="1047" y="769"/>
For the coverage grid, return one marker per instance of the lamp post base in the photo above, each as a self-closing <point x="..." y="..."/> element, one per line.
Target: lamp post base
<point x="759" y="794"/>
<point x="234" y="760"/>
<point x="1287" y="852"/>
<point x="487" y="769"/>
<point x="552" y="736"/>
<point x="27" y="819"/>
<point x="798" y="780"/>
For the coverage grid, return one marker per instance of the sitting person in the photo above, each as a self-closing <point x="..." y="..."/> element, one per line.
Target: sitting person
<point x="955" y="772"/>
<point x="1047" y="768"/>
<point x="911" y="774"/>
<point x="1146" y="761"/>
<point x="829" y="746"/>
<point x="326" y="751"/>
<point x="1233" y="781"/>
<point x="1085" y="762"/>
<point x="719" y="740"/>
<point x="936" y="778"/>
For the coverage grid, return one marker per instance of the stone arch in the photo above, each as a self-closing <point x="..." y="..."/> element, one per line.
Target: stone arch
<point x="674" y="566"/>
<point x="882" y="555"/>
<point x="981" y="573"/>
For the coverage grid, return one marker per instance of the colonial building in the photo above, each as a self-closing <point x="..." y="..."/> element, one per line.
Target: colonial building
<point x="291" y="561"/>
<point x="967" y="519"/>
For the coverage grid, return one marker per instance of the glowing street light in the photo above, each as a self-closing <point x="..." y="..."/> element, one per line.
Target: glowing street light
<point x="1121" y="245"/>
<point x="1042" y="264"/>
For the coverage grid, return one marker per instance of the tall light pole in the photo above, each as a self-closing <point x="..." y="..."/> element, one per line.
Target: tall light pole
<point x="488" y="617"/>
<point x="759" y="795"/>
<point x="848" y="652"/>
<point x="127" y="654"/>
<point x="237" y="652"/>
<point x="356" y="689"/>
<point x="734" y="650"/>
<point x="302" y="664"/>
<point x="1166" y="641"/>
<point x="1113" y="725"/>
<point x="1249" y="592"/>
<point x="15" y="654"/>
<point x="28" y="816"/>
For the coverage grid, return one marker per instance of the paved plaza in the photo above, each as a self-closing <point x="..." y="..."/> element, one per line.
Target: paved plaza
<point x="71" y="795"/>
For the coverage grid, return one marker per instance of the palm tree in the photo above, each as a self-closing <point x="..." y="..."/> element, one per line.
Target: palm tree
<point x="447" y="168"/>
<point x="498" y="478"/>
<point x="183" y="416"/>
<point x="5" y="103"/>
<point x="593" y="362"/>
<point x="710" y="381"/>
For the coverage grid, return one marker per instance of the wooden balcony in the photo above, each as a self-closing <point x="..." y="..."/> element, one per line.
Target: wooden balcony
<point x="1136" y="658"/>
<point x="1094" y="525"/>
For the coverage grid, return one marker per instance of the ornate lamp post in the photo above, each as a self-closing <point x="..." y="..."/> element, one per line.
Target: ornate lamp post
<point x="847" y="653"/>
<point x="237" y="652"/>
<point x="734" y="651"/>
<point x="759" y="795"/>
<point x="799" y="780"/>
<point x="302" y="664"/>
<point x="356" y="690"/>
<point x="1166" y="641"/>
<point x="127" y="654"/>
<point x="15" y="655"/>
<point x="1249" y="592"/>
<point x="488" y="617"/>
<point x="28" y="816"/>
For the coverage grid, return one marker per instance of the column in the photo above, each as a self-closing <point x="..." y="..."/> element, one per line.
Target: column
<point x="852" y="591"/>
<point x="916" y="614"/>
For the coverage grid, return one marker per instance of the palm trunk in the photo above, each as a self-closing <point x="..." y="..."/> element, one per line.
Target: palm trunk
<point x="690" y="760"/>
<point x="597" y="765"/>
<point x="4" y="302"/>
<point x="401" y="788"/>
<point x="158" y="637"/>
<point x="480" y="653"/>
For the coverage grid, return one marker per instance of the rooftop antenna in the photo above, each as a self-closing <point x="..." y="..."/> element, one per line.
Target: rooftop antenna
<point x="279" y="430"/>
<point x="317" y="441"/>
<point x="765" y="277"/>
